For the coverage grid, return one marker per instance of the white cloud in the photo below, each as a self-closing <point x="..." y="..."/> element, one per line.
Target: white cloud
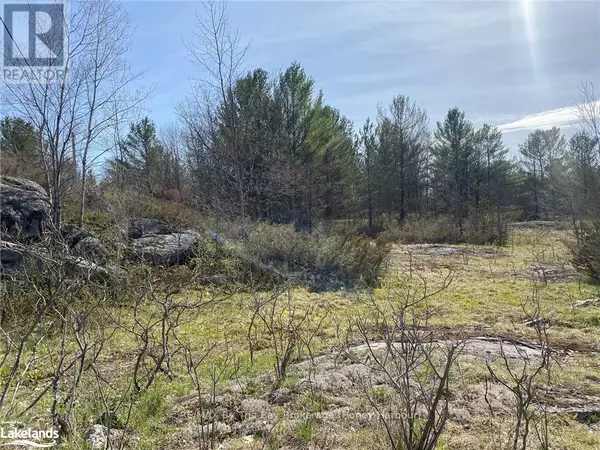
<point x="546" y="119"/>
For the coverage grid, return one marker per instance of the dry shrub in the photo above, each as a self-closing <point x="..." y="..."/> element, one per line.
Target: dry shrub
<point x="21" y="166"/>
<point x="586" y="252"/>
<point x="480" y="230"/>
<point x="323" y="261"/>
<point x="134" y="205"/>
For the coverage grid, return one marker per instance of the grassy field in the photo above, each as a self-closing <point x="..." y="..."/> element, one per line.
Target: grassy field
<point x="490" y="293"/>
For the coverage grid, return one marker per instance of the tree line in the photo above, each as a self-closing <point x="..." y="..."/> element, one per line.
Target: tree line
<point x="256" y="145"/>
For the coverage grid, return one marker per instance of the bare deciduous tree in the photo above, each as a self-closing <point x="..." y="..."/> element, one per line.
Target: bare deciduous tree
<point x="74" y="114"/>
<point x="588" y="108"/>
<point x="216" y="51"/>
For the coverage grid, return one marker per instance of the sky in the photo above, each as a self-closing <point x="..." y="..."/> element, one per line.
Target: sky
<point x="515" y="64"/>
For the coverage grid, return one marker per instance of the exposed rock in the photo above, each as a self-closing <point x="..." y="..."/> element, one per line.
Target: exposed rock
<point x="538" y="322"/>
<point x="98" y="435"/>
<point x="330" y="373"/>
<point x="73" y="234"/>
<point x="220" y="408"/>
<point x="91" y="270"/>
<point x="91" y="248"/>
<point x="139" y="228"/>
<point x="450" y="250"/>
<point x="251" y="406"/>
<point x="491" y="349"/>
<point x="24" y="208"/>
<point x="15" y="258"/>
<point x="584" y="408"/>
<point x="158" y="242"/>
<point x="555" y="274"/>
<point x="216" y="280"/>
<point x="167" y="249"/>
<point x="358" y="372"/>
<point x="216" y="430"/>
<point x="280" y="396"/>
<point x="534" y="224"/>
<point x="84" y="244"/>
<point x="258" y="417"/>
<point x="12" y="257"/>
<point x="550" y="274"/>
<point x="334" y="382"/>
<point x="485" y="348"/>
<point x="587" y="303"/>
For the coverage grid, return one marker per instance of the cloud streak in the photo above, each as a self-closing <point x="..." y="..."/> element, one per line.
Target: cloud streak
<point x="544" y="120"/>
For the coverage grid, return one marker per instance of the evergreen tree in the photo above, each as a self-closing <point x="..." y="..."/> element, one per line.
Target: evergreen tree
<point x="540" y="158"/>
<point x="403" y="140"/>
<point x="455" y="166"/>
<point x="142" y="160"/>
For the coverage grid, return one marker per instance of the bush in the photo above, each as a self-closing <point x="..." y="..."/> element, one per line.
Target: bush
<point x="323" y="261"/>
<point x="134" y="205"/>
<point x="586" y="252"/>
<point x="228" y="266"/>
<point x="479" y="230"/>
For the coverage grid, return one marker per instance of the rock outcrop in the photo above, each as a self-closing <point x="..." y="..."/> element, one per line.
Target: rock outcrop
<point x="16" y="259"/>
<point x="167" y="249"/>
<point x="98" y="436"/>
<point x="139" y="228"/>
<point x="24" y="208"/>
<point x="12" y="258"/>
<point x="84" y="244"/>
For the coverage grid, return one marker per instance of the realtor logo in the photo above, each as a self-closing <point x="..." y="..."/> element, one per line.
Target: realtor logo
<point x="34" y="41"/>
<point x="11" y="435"/>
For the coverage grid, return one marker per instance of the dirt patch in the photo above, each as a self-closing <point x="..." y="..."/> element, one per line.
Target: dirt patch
<point x="550" y="274"/>
<point x="449" y="250"/>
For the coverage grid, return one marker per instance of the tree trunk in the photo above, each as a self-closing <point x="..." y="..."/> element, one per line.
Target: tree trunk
<point x="82" y="194"/>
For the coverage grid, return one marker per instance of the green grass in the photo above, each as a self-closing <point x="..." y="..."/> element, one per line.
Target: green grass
<point x="487" y="296"/>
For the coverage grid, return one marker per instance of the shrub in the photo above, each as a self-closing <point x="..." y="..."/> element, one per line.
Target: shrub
<point x="586" y="252"/>
<point x="479" y="230"/>
<point x="323" y="261"/>
<point x="130" y="204"/>
<point x="228" y="266"/>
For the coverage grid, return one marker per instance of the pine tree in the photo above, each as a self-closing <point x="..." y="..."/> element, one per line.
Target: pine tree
<point x="455" y="166"/>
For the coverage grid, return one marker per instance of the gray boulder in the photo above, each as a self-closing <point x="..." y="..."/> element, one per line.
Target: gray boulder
<point x="84" y="244"/>
<point x="139" y="228"/>
<point x="72" y="234"/>
<point x="24" y="208"/>
<point x="98" y="436"/>
<point x="17" y="259"/>
<point x="168" y="249"/>
<point x="91" y="248"/>
<point x="90" y="270"/>
<point x="12" y="257"/>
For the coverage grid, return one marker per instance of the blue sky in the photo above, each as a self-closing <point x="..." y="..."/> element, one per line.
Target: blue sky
<point x="515" y="64"/>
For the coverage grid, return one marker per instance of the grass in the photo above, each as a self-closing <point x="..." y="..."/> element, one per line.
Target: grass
<point x="487" y="296"/>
